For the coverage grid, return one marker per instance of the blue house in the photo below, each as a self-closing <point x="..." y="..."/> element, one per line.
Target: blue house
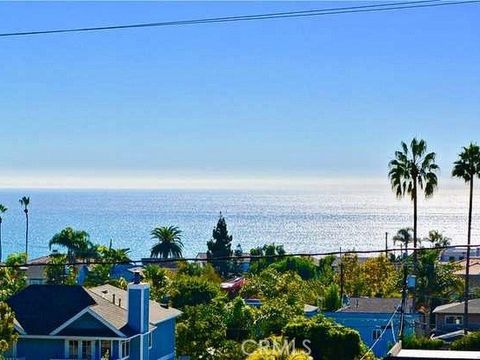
<point x="374" y="319"/>
<point x="72" y="322"/>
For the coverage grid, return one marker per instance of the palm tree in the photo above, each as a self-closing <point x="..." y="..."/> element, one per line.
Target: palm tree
<point x="437" y="239"/>
<point x="3" y="209"/>
<point x="467" y="167"/>
<point x="77" y="243"/>
<point x="404" y="236"/>
<point x="169" y="242"/>
<point x="413" y="169"/>
<point x="25" y="201"/>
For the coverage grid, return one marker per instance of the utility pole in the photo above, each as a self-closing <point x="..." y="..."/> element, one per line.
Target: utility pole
<point x="386" y="245"/>
<point x="341" y="277"/>
<point x="404" y="296"/>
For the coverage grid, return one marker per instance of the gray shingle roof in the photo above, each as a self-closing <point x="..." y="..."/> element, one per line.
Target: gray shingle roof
<point x="458" y="307"/>
<point x="157" y="312"/>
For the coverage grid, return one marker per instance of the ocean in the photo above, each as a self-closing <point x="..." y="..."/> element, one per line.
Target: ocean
<point x="350" y="216"/>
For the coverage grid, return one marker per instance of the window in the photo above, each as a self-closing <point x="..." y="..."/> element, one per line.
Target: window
<point x="150" y="340"/>
<point x="73" y="347"/>
<point x="376" y="333"/>
<point x="125" y="348"/>
<point x="106" y="349"/>
<point x="86" y="349"/>
<point x="454" y="320"/>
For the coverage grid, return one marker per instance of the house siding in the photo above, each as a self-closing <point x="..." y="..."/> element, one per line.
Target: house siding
<point x="443" y="327"/>
<point x="163" y="340"/>
<point x="40" y="349"/>
<point x="366" y="323"/>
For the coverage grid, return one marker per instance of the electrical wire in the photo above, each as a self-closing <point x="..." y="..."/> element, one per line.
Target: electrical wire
<point x="267" y="16"/>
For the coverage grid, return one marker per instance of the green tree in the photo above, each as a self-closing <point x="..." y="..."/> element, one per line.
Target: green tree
<point x="201" y="329"/>
<point x="12" y="276"/>
<point x="159" y="281"/>
<point x="220" y="246"/>
<point x="413" y="169"/>
<point x="268" y="254"/>
<point x="239" y="319"/>
<point x="169" y="243"/>
<point x="328" y="340"/>
<point x="8" y="335"/>
<point x="76" y="242"/>
<point x="58" y="272"/>
<point x="331" y="300"/>
<point x="190" y="291"/>
<point x="467" y="167"/>
<point x="3" y="209"/>
<point x="437" y="239"/>
<point x="24" y="202"/>
<point x="300" y="265"/>
<point x="404" y="236"/>
<point x="470" y="342"/>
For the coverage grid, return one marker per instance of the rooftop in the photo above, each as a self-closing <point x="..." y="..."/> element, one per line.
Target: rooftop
<point x="374" y="305"/>
<point x="458" y="307"/>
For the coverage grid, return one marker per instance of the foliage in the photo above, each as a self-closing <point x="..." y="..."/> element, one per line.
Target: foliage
<point x="206" y="271"/>
<point x="239" y="319"/>
<point x="437" y="239"/>
<point x="328" y="340"/>
<point x="192" y="290"/>
<point x="159" y="280"/>
<point x="404" y="236"/>
<point x="300" y="265"/>
<point x="270" y="284"/>
<point x="169" y="243"/>
<point x="326" y="272"/>
<point x="200" y="330"/>
<point x="8" y="335"/>
<point x="112" y="255"/>
<point x="258" y="265"/>
<point x="58" y="272"/>
<point x="274" y="354"/>
<point x="467" y="166"/>
<point x="12" y="277"/>
<point x="375" y="277"/>
<point x="77" y="243"/>
<point x="274" y="314"/>
<point x="331" y="299"/>
<point x="421" y="342"/>
<point x="220" y="246"/>
<point x="470" y="342"/>
<point x="436" y="282"/>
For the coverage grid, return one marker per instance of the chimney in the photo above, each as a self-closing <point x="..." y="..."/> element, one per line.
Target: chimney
<point x="138" y="305"/>
<point x="113" y="298"/>
<point x="120" y="302"/>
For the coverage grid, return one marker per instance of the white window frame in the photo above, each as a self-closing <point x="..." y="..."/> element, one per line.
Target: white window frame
<point x="120" y="349"/>
<point x="455" y="318"/>
<point x="150" y="339"/>
<point x="80" y="348"/>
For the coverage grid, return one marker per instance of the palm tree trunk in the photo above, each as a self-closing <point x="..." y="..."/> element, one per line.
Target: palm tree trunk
<point x="0" y="240"/>
<point x="26" y="235"/>
<point x="467" y="268"/>
<point x="415" y="259"/>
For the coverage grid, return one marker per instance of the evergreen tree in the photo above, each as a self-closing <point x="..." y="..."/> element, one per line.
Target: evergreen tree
<point x="220" y="246"/>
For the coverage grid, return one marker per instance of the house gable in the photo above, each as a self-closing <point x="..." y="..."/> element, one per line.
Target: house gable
<point x="87" y="325"/>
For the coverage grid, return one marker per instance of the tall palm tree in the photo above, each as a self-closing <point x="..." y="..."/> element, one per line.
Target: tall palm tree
<point x="437" y="239"/>
<point x="404" y="236"/>
<point x="413" y="169"/>
<point x="467" y="167"/>
<point x="77" y="243"/>
<point x="3" y="209"/>
<point x="25" y="201"/>
<point x="169" y="242"/>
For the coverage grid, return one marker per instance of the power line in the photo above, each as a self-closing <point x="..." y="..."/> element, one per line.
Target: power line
<point x="154" y="261"/>
<point x="266" y="16"/>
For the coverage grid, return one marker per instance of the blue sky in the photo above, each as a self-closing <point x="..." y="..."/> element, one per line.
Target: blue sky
<point x="296" y="98"/>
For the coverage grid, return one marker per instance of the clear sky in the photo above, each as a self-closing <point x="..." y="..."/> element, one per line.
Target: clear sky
<point x="286" y="99"/>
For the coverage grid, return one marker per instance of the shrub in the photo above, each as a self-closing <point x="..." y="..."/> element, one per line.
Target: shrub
<point x="302" y="266"/>
<point x="191" y="291"/>
<point x="414" y="342"/>
<point x="331" y="300"/>
<point x="470" y="342"/>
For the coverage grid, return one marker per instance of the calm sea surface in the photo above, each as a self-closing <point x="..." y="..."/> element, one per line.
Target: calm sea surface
<point x="350" y="216"/>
